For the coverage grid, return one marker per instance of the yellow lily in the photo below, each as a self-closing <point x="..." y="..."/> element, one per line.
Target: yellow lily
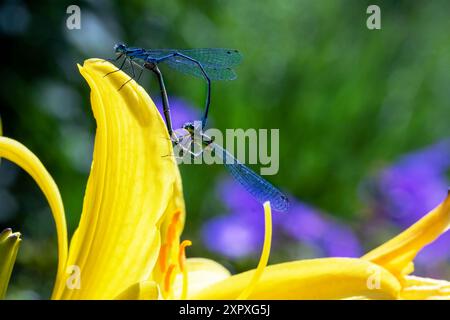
<point x="127" y="245"/>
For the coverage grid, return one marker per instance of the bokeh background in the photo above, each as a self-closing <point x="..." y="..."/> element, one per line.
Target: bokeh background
<point x="363" y="118"/>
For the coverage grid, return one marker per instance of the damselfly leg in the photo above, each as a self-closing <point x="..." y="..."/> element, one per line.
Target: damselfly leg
<point x="165" y="100"/>
<point x="132" y="64"/>
<point x="205" y="75"/>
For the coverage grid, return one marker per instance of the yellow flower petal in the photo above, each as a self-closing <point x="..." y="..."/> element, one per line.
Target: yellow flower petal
<point x="329" y="278"/>
<point x="202" y="273"/>
<point x="133" y="185"/>
<point x="397" y="254"/>
<point x="145" y="290"/>
<point x="24" y="158"/>
<point x="418" y="288"/>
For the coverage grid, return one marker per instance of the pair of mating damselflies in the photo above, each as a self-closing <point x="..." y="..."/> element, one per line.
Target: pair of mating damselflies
<point x="208" y="63"/>
<point x="211" y="64"/>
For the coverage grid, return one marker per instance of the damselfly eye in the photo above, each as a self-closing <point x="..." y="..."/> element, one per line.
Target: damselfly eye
<point x="119" y="47"/>
<point x="188" y="126"/>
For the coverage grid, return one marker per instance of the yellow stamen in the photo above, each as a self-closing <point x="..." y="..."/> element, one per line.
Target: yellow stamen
<point x="264" y="255"/>
<point x="182" y="264"/>
<point x="182" y="253"/>
<point x="173" y="228"/>
<point x="163" y="257"/>
<point x="168" y="280"/>
<point x="166" y="248"/>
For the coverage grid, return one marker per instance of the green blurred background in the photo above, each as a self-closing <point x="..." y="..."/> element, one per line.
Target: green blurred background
<point x="347" y="100"/>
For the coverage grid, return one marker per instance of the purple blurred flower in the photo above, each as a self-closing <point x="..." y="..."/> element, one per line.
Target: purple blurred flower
<point x="234" y="235"/>
<point x="411" y="188"/>
<point x="241" y="233"/>
<point x="304" y="223"/>
<point x="341" y="241"/>
<point x="415" y="184"/>
<point x="435" y="253"/>
<point x="180" y="111"/>
<point x="236" y="198"/>
<point x="307" y="224"/>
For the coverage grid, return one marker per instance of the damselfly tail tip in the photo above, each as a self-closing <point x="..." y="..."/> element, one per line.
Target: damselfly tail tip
<point x="282" y="205"/>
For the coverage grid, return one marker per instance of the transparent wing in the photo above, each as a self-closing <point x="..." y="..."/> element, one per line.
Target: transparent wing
<point x="208" y="57"/>
<point x="188" y="67"/>
<point x="256" y="185"/>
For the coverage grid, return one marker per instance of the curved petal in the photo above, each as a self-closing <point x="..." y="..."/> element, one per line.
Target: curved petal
<point x="132" y="186"/>
<point x="202" y="273"/>
<point x="24" y="158"/>
<point x="329" y="278"/>
<point x="145" y="290"/>
<point x="397" y="254"/>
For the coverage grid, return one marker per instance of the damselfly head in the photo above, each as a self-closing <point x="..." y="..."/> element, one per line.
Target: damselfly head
<point x="120" y="48"/>
<point x="193" y="126"/>
<point x="189" y="126"/>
